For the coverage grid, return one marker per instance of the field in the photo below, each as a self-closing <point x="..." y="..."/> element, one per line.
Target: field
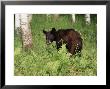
<point x="43" y="60"/>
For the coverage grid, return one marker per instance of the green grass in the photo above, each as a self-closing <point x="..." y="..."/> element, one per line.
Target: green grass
<point x="43" y="60"/>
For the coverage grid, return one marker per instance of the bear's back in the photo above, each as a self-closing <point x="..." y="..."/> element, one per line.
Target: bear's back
<point x="68" y="34"/>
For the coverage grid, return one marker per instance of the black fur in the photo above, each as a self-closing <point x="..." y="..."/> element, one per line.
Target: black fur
<point x="70" y="37"/>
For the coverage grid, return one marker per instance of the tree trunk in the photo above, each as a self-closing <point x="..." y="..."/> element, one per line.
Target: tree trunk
<point x="26" y="31"/>
<point x="17" y="23"/>
<point x="87" y="17"/>
<point x="55" y="16"/>
<point x="73" y="18"/>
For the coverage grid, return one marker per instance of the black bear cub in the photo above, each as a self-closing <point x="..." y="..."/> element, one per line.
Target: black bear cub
<point x="70" y="37"/>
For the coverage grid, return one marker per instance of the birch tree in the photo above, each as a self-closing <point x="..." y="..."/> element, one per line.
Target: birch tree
<point x="73" y="18"/>
<point x="22" y="23"/>
<point x="17" y="23"/>
<point x="87" y="18"/>
<point x="26" y="30"/>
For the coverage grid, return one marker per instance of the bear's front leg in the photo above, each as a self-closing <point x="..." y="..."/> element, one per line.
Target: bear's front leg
<point x="72" y="50"/>
<point x="58" y="44"/>
<point x="70" y="47"/>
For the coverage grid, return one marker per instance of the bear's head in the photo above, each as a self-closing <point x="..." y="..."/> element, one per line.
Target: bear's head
<point x="50" y="35"/>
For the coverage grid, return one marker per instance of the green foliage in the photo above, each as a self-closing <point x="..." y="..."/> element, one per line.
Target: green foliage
<point x="46" y="60"/>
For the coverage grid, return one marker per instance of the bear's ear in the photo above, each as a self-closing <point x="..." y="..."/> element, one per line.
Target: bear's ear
<point x="53" y="30"/>
<point x="44" y="32"/>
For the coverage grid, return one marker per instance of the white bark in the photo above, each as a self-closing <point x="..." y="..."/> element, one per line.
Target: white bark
<point x="25" y="30"/>
<point x="29" y="17"/>
<point x="17" y="20"/>
<point x="87" y="18"/>
<point x="17" y="23"/>
<point x="73" y="18"/>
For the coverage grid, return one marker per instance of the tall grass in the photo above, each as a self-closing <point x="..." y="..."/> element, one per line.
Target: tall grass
<point x="43" y="60"/>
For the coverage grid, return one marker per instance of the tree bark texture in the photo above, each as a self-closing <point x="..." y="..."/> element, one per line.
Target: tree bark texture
<point x="26" y="30"/>
<point x="22" y="21"/>
<point x="73" y="18"/>
<point x="87" y="18"/>
<point x="17" y="23"/>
